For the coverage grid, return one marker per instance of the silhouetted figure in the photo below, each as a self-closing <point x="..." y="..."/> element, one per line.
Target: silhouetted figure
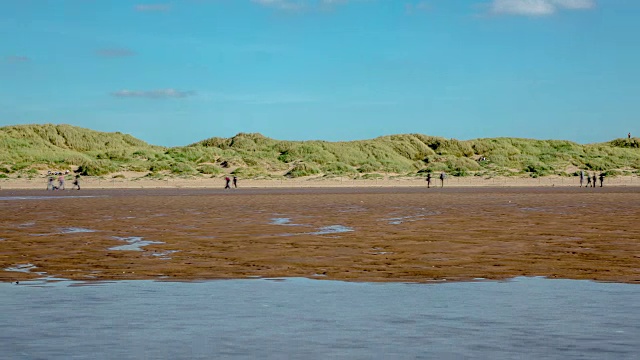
<point x="226" y="186"/>
<point x="235" y="182"/>
<point x="428" y="180"/>
<point x="61" y="182"/>
<point x="76" y="183"/>
<point x="629" y="136"/>
<point x="588" y="180"/>
<point x="581" y="177"/>
<point x="50" y="185"/>
<point x="594" y="180"/>
<point x="601" y="179"/>
<point x="442" y="177"/>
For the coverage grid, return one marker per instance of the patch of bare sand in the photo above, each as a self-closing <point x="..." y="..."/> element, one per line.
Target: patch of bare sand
<point x="355" y="234"/>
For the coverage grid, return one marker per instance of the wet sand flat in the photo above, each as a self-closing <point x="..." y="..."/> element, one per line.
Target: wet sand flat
<point x="355" y="234"/>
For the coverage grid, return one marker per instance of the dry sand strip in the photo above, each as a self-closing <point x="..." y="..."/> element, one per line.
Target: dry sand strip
<point x="133" y="182"/>
<point x="409" y="234"/>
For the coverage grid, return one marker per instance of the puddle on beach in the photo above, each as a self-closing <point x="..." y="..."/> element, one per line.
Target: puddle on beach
<point x="332" y="229"/>
<point x="134" y="243"/>
<point x="164" y="255"/>
<point x="324" y="230"/>
<point x="75" y="230"/>
<point x="23" y="268"/>
<point x="67" y="230"/>
<point x="27" y="269"/>
<point x="283" y="221"/>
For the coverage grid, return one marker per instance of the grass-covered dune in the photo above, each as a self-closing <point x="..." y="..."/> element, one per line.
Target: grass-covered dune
<point x="28" y="150"/>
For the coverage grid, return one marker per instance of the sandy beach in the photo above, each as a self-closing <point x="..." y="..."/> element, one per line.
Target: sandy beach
<point x="137" y="181"/>
<point x="408" y="233"/>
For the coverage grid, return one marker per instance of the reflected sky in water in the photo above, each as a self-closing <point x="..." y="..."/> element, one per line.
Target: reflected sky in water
<point x="525" y="318"/>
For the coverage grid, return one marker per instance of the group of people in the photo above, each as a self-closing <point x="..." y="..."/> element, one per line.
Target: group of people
<point x="591" y="180"/>
<point x="52" y="186"/>
<point x="442" y="177"/>
<point x="228" y="181"/>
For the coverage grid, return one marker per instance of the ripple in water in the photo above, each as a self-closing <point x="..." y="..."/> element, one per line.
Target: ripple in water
<point x="525" y="318"/>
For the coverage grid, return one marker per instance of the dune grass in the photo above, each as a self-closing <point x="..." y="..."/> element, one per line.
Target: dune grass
<point x="27" y="149"/>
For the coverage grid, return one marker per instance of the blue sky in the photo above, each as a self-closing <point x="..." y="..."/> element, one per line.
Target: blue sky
<point x="177" y="72"/>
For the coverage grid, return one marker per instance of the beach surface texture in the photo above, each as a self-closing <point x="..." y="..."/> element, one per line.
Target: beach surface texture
<point x="411" y="234"/>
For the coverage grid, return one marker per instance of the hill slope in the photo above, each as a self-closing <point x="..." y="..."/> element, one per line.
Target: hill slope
<point x="29" y="148"/>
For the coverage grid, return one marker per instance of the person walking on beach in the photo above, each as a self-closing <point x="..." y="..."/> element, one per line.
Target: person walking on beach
<point x="601" y="179"/>
<point x="227" y="180"/>
<point x="594" y="180"/>
<point x="428" y="180"/>
<point x="50" y="185"/>
<point x="76" y="182"/>
<point x="588" y="180"/>
<point x="442" y="177"/>
<point x="61" y="182"/>
<point x="235" y="182"/>
<point x="581" y="177"/>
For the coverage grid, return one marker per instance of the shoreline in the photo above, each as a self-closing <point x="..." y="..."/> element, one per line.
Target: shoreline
<point x="390" y="181"/>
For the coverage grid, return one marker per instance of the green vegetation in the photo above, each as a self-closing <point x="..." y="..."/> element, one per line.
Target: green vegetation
<point x="26" y="150"/>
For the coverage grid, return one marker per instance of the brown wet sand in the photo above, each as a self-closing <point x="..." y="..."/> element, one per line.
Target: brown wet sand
<point x="398" y="234"/>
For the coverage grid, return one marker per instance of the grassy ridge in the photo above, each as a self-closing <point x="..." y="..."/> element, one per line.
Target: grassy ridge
<point x="28" y="149"/>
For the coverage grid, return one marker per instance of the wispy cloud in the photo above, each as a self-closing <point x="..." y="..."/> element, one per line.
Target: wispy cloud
<point x="13" y="59"/>
<point x="288" y="5"/>
<point x="115" y="52"/>
<point x="419" y="7"/>
<point x="152" y="7"/>
<point x="538" y="7"/>
<point x="153" y="94"/>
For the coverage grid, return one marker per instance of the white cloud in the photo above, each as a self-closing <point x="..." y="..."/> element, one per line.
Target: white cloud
<point x="538" y="7"/>
<point x="152" y="7"/>
<point x="153" y="94"/>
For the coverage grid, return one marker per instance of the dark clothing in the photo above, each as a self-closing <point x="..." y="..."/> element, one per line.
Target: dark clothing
<point x="601" y="179"/>
<point x="235" y="182"/>
<point x="76" y="183"/>
<point x="226" y="186"/>
<point x="594" y="180"/>
<point x="428" y="181"/>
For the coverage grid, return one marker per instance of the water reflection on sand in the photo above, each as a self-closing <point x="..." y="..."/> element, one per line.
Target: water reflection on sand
<point x="526" y="318"/>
